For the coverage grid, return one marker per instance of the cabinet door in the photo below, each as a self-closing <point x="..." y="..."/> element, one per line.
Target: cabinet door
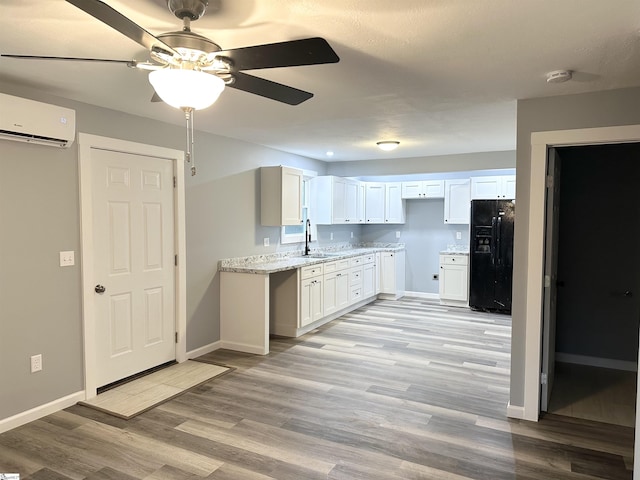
<point x="369" y="280"/>
<point x="394" y="204"/>
<point x="374" y="202"/>
<point x="433" y="188"/>
<point x="342" y="289"/>
<point x="330" y="293"/>
<point x="453" y="282"/>
<point x="339" y="200"/>
<point x="351" y="201"/>
<point x="311" y="300"/>
<point x="378" y="272"/>
<point x="291" y="196"/>
<point x="412" y="189"/>
<point x="457" y="206"/>
<point x="360" y="214"/>
<point x="509" y="187"/>
<point x="388" y="273"/>
<point x="486" y="188"/>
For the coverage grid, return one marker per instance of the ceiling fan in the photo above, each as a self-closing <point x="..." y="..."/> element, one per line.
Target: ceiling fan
<point x="189" y="71"/>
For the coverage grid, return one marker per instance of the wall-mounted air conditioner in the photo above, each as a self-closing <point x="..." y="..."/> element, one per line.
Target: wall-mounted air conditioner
<point x="36" y="122"/>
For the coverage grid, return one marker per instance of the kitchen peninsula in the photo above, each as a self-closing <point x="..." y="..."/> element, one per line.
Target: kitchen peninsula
<point x="290" y="294"/>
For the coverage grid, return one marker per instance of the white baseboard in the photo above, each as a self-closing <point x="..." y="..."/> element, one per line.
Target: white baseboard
<point x="597" y="362"/>
<point x="514" y="411"/>
<point x="212" y="347"/>
<point x="244" y="347"/>
<point x="430" y="296"/>
<point x="35" y="413"/>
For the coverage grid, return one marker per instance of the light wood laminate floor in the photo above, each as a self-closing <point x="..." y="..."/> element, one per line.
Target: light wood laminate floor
<point x="594" y="393"/>
<point x="394" y="390"/>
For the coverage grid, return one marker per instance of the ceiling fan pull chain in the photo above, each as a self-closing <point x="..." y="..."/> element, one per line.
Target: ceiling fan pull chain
<point x="188" y="113"/>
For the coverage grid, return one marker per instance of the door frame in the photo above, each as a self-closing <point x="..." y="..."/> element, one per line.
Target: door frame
<point x="86" y="142"/>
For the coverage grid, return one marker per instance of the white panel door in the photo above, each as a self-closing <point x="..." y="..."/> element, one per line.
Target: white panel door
<point x="133" y="262"/>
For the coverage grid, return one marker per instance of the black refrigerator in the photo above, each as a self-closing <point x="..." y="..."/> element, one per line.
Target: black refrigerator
<point x="491" y="255"/>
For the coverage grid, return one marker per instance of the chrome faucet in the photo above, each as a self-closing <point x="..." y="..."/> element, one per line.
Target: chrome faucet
<point x="307" y="237"/>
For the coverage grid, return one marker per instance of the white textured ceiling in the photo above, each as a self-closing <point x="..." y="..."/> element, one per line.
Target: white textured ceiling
<point x="440" y="76"/>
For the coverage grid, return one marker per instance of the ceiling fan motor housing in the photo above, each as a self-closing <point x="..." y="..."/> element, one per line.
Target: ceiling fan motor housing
<point x="191" y="9"/>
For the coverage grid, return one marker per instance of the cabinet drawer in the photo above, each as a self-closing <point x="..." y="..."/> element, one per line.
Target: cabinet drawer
<point x="369" y="258"/>
<point x="356" y="261"/>
<point x="356" y="294"/>
<point x="355" y="276"/>
<point x="342" y="264"/>
<point x="311" y="271"/>
<point x="454" y="259"/>
<point x="330" y="267"/>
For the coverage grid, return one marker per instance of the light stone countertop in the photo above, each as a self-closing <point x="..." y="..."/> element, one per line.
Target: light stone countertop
<point x="454" y="252"/>
<point x="279" y="262"/>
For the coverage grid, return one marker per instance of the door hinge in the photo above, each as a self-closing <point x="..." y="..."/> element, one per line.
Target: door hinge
<point x="176" y="337"/>
<point x="549" y="181"/>
<point x="543" y="378"/>
<point x="175" y="182"/>
<point x="175" y="260"/>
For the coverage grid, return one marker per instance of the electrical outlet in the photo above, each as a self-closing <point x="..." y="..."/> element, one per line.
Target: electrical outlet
<point x="458" y="235"/>
<point x="398" y="234"/>
<point x="36" y="363"/>
<point x="266" y="241"/>
<point x="67" y="259"/>
<point x="436" y="276"/>
<point x="351" y="234"/>
<point x="331" y="236"/>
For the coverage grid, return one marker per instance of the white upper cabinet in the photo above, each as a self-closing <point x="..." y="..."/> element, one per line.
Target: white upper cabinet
<point x="337" y="200"/>
<point x="374" y="202"/>
<point x="394" y="203"/>
<point x="280" y="196"/>
<point x="457" y="206"/>
<point x="423" y="189"/>
<point x="493" y="187"/>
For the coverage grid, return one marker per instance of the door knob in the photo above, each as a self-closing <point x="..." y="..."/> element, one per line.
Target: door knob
<point x="99" y="289"/>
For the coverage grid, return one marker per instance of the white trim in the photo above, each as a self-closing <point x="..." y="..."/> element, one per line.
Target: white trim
<point x="611" y="363"/>
<point x="244" y="347"/>
<point x="429" y="296"/>
<point x="35" y="413"/>
<point x="85" y="143"/>
<point x="513" y="411"/>
<point x="198" y="352"/>
<point x="540" y="142"/>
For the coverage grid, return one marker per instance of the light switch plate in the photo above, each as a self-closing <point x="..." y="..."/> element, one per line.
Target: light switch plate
<point x="266" y="241"/>
<point x="67" y="259"/>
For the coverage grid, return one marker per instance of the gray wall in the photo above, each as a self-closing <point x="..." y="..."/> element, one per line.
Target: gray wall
<point x="40" y="302"/>
<point x="424" y="234"/>
<point x="435" y="164"/>
<point x="594" y="318"/>
<point x="599" y="109"/>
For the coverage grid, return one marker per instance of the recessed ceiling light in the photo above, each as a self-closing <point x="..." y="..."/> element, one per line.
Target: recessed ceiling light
<point x="388" y="145"/>
<point x="329" y="153"/>
<point x="559" y="76"/>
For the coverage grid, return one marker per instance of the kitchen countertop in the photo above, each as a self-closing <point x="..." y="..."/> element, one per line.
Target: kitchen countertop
<point x="454" y="252"/>
<point x="279" y="262"/>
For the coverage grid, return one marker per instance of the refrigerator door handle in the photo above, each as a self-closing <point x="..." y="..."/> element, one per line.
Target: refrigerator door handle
<point x="499" y="241"/>
<point x="493" y="240"/>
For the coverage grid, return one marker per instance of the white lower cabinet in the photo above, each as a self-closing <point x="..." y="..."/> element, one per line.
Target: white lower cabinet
<point x="336" y="291"/>
<point x="369" y="278"/>
<point x="311" y="294"/>
<point x="454" y="280"/>
<point x="392" y="274"/>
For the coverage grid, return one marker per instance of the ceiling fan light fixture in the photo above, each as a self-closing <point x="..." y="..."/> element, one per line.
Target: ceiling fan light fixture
<point x="388" y="145"/>
<point x="186" y="88"/>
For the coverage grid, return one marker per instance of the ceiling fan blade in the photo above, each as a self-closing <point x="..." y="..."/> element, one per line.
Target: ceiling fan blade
<point x="309" y="51"/>
<point x="122" y="24"/>
<point x="73" y="59"/>
<point x="268" y="89"/>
